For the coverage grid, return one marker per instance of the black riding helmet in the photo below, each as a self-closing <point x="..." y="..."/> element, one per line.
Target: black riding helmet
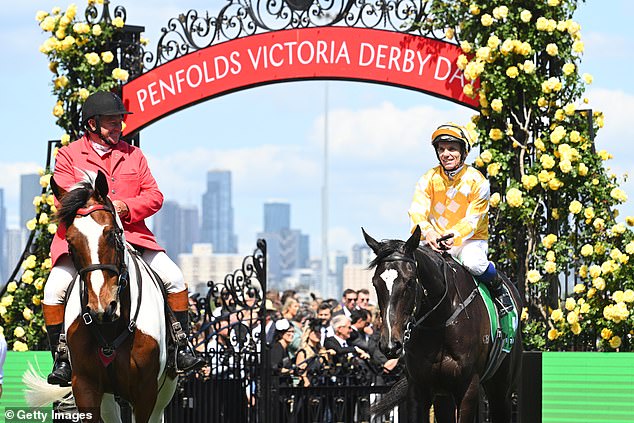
<point x="101" y="103"/>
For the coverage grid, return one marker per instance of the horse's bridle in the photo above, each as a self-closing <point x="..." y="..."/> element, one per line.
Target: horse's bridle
<point x="414" y="322"/>
<point x="121" y="270"/>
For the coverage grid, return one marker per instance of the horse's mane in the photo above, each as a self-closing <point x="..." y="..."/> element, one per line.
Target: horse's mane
<point x="75" y="199"/>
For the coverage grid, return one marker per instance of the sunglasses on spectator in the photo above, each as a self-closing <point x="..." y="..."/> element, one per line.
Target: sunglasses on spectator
<point x="350" y="300"/>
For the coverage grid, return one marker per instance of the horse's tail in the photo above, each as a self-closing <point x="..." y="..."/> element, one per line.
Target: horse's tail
<point x="390" y="400"/>
<point x="39" y="392"/>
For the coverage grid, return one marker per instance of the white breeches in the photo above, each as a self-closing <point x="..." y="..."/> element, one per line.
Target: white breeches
<point x="473" y="255"/>
<point x="63" y="272"/>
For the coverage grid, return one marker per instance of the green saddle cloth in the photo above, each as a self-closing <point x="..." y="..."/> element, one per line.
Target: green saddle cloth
<point x="507" y="324"/>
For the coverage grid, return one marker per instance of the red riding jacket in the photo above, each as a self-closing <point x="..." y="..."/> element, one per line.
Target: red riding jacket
<point x="129" y="180"/>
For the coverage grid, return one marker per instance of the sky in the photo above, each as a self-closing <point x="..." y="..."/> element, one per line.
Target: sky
<point x="271" y="137"/>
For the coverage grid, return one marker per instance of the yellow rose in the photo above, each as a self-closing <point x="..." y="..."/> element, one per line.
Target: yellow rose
<point x="27" y="277"/>
<point x="107" y="57"/>
<point x="474" y="9"/>
<point x="96" y="30"/>
<point x="27" y="313"/>
<point x="19" y="332"/>
<point x="478" y="162"/>
<point x="588" y="213"/>
<point x="466" y="46"/>
<point x="557" y="315"/>
<point x="11" y="287"/>
<point x="494" y="201"/>
<point x="496" y="105"/>
<point x="493" y="169"/>
<point x="554" y="184"/>
<point x="558" y="134"/>
<point x="587" y="250"/>
<point x="618" y="296"/>
<point x="512" y="72"/>
<point x="529" y="181"/>
<point x="615" y="342"/>
<point x="575" y="207"/>
<point x="120" y="74"/>
<point x="533" y="276"/>
<point x="92" y="58"/>
<point x="565" y="166"/>
<point x="599" y="224"/>
<point x="553" y="3"/>
<point x="553" y="334"/>
<point x="449" y="33"/>
<point x="496" y="134"/>
<point x="579" y="288"/>
<point x="583" y="169"/>
<point x="486" y="20"/>
<point x="468" y="90"/>
<point x="30" y="262"/>
<point x="36" y="300"/>
<point x="599" y="283"/>
<point x="500" y="12"/>
<point x="591" y="292"/>
<point x="514" y="197"/>
<point x="43" y="220"/>
<point x="550" y="267"/>
<point x="524" y="315"/>
<point x="20" y="346"/>
<point x="570" y="303"/>
<point x="547" y="161"/>
<point x="40" y="15"/>
<point x="58" y="110"/>
<point x="552" y="49"/>
<point x="529" y="66"/>
<point x="577" y="46"/>
<point x="39" y="284"/>
<point x="493" y="42"/>
<point x="52" y="228"/>
<point x="568" y="68"/>
<point x="606" y="333"/>
<point x="618" y="194"/>
<point x="462" y="62"/>
<point x="587" y="78"/>
<point x="549" y="240"/>
<point x="118" y="22"/>
<point x="526" y="15"/>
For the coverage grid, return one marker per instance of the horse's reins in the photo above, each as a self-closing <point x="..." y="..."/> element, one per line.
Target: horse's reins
<point x="108" y="349"/>
<point x="411" y="324"/>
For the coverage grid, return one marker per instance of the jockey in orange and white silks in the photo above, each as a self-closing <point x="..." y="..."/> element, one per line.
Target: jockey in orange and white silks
<point x="453" y="198"/>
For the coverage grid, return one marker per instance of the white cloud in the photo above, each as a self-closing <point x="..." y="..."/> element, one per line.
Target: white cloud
<point x="384" y="131"/>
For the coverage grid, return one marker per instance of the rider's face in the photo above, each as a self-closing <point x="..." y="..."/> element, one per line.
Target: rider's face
<point x="449" y="154"/>
<point x="110" y="128"/>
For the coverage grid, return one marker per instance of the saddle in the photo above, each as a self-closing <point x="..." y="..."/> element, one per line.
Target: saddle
<point x="503" y="329"/>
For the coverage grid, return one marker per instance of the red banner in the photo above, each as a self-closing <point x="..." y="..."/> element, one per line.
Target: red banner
<point x="355" y="54"/>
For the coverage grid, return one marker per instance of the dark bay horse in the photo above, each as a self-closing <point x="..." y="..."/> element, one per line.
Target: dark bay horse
<point x="114" y="316"/>
<point x="445" y="344"/>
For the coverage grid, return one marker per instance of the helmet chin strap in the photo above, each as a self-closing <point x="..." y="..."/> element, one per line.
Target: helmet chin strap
<point x="97" y="132"/>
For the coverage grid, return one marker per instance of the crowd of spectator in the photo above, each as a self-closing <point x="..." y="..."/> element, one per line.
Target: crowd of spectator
<point x="309" y="342"/>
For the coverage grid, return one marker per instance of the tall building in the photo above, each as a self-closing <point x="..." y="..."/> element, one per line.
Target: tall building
<point x="277" y="216"/>
<point x="287" y="249"/>
<point x="217" y="216"/>
<point x="3" y="229"/>
<point x="176" y="228"/>
<point x="13" y="249"/>
<point x="29" y="189"/>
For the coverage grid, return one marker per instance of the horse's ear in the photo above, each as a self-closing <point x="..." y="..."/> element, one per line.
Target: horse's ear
<point x="372" y="243"/>
<point x="58" y="191"/>
<point x="412" y="243"/>
<point x="101" y="185"/>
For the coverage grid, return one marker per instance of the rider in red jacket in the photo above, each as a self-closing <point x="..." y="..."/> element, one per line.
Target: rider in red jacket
<point x="135" y="196"/>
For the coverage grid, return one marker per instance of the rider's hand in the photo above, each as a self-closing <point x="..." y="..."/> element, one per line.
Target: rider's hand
<point x="446" y="244"/>
<point x="431" y="238"/>
<point x="121" y="208"/>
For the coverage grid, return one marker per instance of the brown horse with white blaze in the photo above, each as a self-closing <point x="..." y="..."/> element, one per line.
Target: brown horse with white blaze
<point x="115" y="313"/>
<point x="434" y="318"/>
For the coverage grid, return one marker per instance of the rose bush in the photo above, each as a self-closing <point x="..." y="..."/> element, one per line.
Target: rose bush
<point x="554" y="222"/>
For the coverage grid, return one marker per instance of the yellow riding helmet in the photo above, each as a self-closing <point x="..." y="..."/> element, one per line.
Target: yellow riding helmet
<point x="454" y="133"/>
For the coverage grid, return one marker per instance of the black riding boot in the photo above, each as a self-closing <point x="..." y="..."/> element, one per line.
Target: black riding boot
<point x="61" y="373"/>
<point x="503" y="300"/>
<point x="185" y="359"/>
